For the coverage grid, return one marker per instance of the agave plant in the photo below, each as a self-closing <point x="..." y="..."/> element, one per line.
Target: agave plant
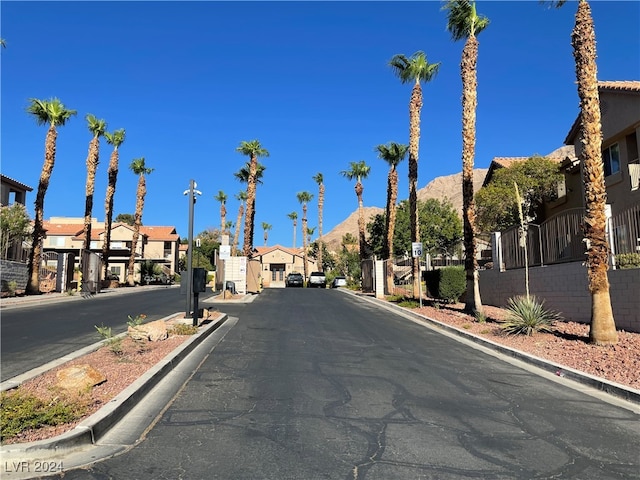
<point x="527" y="315"/>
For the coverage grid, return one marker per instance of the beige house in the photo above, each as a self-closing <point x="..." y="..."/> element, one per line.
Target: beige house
<point x="12" y="191"/>
<point x="277" y="262"/>
<point x="159" y="244"/>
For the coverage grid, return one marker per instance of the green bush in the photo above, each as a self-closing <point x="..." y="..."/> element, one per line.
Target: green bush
<point x="447" y="284"/>
<point x="628" y="260"/>
<point x="527" y="315"/>
<point x="21" y="412"/>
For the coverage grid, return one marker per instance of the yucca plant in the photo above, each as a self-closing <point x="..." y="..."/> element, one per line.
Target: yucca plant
<point x="526" y="315"/>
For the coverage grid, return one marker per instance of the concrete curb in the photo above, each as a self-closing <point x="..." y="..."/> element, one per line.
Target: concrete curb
<point x="94" y="427"/>
<point x="615" y="389"/>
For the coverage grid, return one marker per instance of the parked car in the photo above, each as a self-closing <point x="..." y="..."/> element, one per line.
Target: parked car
<point x="294" y="280"/>
<point x="339" y="282"/>
<point x="317" y="279"/>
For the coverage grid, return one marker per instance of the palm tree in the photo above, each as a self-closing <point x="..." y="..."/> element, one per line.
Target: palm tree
<point x="97" y="128"/>
<point x="318" y="178"/>
<point x="310" y="232"/>
<point x="392" y="153"/>
<point x="222" y="198"/>
<point x="116" y="139"/>
<point x="53" y="113"/>
<point x="359" y="170"/>
<point x="304" y="198"/>
<point x="243" y="176"/>
<point x="138" y="167"/>
<point x="414" y="69"/>
<point x="253" y="150"/>
<point x="294" y="217"/>
<point x="242" y="197"/>
<point x="464" y="23"/>
<point x="583" y="40"/>
<point x="266" y="227"/>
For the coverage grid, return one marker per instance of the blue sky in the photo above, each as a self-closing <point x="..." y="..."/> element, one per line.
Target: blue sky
<point x="310" y="80"/>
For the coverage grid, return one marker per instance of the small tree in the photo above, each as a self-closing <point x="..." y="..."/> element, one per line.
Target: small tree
<point x="14" y="226"/>
<point x="127" y="218"/>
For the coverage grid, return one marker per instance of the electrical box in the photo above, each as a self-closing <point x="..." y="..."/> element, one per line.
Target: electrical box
<point x="199" y="280"/>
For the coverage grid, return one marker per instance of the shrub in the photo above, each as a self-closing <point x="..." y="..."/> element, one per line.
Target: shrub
<point x="21" y="412"/>
<point x="527" y="315"/>
<point x="184" y="329"/>
<point x="446" y="284"/>
<point x="111" y="341"/>
<point x="628" y="260"/>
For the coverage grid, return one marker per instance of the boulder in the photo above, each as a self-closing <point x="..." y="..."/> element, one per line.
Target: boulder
<point x="152" y="331"/>
<point x="78" y="378"/>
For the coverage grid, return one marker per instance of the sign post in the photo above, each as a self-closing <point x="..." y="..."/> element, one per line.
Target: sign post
<point x="416" y="252"/>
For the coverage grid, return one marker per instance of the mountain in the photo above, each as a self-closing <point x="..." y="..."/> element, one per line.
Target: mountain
<point x="449" y="186"/>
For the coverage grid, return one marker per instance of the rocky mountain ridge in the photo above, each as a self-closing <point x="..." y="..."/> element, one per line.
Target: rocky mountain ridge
<point x="448" y="186"/>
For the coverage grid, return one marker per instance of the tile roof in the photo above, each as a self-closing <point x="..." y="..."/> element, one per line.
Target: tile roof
<point x="62" y="228"/>
<point x="627" y="85"/>
<point x="15" y="183"/>
<point x="160" y="233"/>
<point x="265" y="250"/>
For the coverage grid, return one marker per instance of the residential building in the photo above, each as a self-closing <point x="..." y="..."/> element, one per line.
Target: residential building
<point x="159" y="244"/>
<point x="278" y="261"/>
<point x="13" y="191"/>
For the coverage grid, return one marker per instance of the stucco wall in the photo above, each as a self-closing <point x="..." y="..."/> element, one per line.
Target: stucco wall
<point x="564" y="289"/>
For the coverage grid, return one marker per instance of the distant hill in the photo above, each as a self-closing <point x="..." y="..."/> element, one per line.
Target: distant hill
<point x="449" y="186"/>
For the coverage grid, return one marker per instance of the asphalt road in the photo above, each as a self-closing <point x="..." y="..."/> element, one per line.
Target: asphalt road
<point x="317" y="384"/>
<point x="32" y="335"/>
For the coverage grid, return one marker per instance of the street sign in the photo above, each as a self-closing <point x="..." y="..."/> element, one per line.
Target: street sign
<point x="416" y="249"/>
<point x="225" y="252"/>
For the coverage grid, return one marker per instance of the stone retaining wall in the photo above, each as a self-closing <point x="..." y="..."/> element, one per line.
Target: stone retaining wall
<point x="13" y="271"/>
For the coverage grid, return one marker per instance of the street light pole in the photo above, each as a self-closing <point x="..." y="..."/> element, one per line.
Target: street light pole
<point x="192" y="200"/>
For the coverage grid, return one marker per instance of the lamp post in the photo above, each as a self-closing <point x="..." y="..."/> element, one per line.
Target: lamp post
<point x="192" y="200"/>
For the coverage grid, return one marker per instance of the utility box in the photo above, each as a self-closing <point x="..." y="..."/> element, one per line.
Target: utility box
<point x="199" y="280"/>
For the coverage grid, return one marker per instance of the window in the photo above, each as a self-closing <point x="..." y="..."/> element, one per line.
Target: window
<point x="55" y="241"/>
<point x="611" y="159"/>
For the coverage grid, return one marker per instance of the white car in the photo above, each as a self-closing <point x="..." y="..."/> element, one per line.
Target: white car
<point x="339" y="282"/>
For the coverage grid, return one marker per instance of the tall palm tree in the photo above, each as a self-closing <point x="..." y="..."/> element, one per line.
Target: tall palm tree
<point x="243" y="176"/>
<point x="242" y="197"/>
<point x="359" y="170"/>
<point x="583" y="40"/>
<point x="138" y="167"/>
<point x="304" y="198"/>
<point x="253" y="150"/>
<point x="266" y="227"/>
<point x="53" y="113"/>
<point x="414" y="69"/>
<point x="392" y="153"/>
<point x="464" y="22"/>
<point x="97" y="127"/>
<point x="116" y="139"/>
<point x="293" y="216"/>
<point x="319" y="179"/>
<point x="222" y="198"/>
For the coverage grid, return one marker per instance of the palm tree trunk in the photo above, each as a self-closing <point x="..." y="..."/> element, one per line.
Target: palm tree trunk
<point x="250" y="213"/>
<point x="469" y="104"/>
<point x="361" y="238"/>
<point x="137" y="222"/>
<point x="415" y="106"/>
<point x="112" y="173"/>
<point x="236" y="235"/>
<point x="320" y="207"/>
<point x="223" y="218"/>
<point x="603" y="328"/>
<point x="33" y="285"/>
<point x="390" y="225"/>
<point x="92" y="166"/>
<point x="304" y="241"/>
